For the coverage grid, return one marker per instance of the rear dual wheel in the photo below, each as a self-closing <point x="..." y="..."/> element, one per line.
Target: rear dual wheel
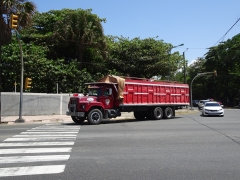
<point x="157" y="113"/>
<point x="168" y="113"/>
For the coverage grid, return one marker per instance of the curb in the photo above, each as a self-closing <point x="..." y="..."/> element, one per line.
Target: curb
<point x="64" y="118"/>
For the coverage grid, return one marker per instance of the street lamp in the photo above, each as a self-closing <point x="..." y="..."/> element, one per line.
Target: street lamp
<point x="169" y="53"/>
<point x="200" y="74"/>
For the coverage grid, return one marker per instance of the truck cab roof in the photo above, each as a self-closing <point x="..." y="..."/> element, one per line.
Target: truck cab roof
<point x="99" y="83"/>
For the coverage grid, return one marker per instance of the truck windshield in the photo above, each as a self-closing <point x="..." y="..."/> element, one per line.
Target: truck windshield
<point x="95" y="92"/>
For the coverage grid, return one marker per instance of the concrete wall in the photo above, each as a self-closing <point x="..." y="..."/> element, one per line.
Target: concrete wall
<point x="34" y="104"/>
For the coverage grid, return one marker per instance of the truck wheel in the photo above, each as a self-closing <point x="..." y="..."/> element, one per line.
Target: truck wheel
<point x="139" y="115"/>
<point x="168" y="113"/>
<point x="95" y="117"/>
<point x="78" y="120"/>
<point x="157" y="113"/>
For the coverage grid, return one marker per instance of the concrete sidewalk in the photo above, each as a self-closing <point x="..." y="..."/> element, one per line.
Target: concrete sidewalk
<point x="36" y="119"/>
<point x="65" y="118"/>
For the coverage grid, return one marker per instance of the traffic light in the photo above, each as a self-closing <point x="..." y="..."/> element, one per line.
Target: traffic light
<point x="13" y="21"/>
<point x="215" y="73"/>
<point x="28" y="82"/>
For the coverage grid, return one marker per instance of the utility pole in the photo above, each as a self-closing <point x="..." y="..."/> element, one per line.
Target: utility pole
<point x="20" y="119"/>
<point x="169" y="54"/>
<point x="184" y="66"/>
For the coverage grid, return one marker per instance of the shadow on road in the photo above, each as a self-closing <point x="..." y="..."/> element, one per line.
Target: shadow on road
<point x="113" y="121"/>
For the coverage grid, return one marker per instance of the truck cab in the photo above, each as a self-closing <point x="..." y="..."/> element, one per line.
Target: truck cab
<point x="96" y="105"/>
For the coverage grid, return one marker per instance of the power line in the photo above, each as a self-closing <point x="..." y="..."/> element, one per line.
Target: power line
<point x="221" y="39"/>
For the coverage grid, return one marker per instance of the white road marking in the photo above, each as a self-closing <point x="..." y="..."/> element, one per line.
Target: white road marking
<point x="47" y="132"/>
<point x="39" y="139"/>
<point x="37" y="144"/>
<point x="31" y="170"/>
<point x="52" y="130"/>
<point x="42" y="133"/>
<point x="23" y="159"/>
<point x="34" y="150"/>
<point x="58" y="127"/>
<point x="47" y="135"/>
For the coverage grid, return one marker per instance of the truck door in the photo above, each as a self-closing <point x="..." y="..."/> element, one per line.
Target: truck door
<point x="107" y="98"/>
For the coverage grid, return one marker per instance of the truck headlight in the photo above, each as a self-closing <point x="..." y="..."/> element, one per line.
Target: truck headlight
<point x="82" y="106"/>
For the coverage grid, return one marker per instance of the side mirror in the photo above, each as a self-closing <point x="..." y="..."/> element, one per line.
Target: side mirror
<point x="110" y="91"/>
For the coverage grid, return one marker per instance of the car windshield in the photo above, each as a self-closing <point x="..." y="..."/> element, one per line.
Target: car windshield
<point x="212" y="104"/>
<point x="95" y="92"/>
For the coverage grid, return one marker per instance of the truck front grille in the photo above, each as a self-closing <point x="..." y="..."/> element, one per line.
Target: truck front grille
<point x="73" y="105"/>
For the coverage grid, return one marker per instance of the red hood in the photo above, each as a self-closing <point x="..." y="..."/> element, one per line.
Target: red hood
<point x="88" y="98"/>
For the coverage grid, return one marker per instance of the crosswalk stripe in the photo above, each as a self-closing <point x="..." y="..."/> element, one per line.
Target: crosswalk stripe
<point x="37" y="144"/>
<point x="34" y="150"/>
<point x="58" y="127"/>
<point x="47" y="132"/>
<point x="22" y="159"/>
<point x="52" y="130"/>
<point x="35" y="138"/>
<point x="31" y="170"/>
<point x="39" y="139"/>
<point x="47" y="135"/>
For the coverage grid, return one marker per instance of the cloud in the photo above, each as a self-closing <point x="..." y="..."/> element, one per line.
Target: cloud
<point x="191" y="62"/>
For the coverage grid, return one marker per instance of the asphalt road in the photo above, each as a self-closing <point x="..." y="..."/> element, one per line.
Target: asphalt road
<point x="184" y="148"/>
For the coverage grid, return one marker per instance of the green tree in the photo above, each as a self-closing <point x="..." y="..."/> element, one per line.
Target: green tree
<point x="70" y="34"/>
<point x="225" y="58"/>
<point x="45" y="73"/>
<point x="141" y="57"/>
<point x="198" y="86"/>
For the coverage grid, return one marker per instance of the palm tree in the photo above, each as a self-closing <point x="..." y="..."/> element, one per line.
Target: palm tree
<point x="23" y="8"/>
<point x="81" y="29"/>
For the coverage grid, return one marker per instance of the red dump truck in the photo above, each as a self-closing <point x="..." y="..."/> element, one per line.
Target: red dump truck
<point x="111" y="95"/>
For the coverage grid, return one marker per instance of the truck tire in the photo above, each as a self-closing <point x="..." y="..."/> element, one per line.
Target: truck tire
<point x="95" y="117"/>
<point x="157" y="113"/>
<point x="78" y="120"/>
<point x="139" y="115"/>
<point x="168" y="113"/>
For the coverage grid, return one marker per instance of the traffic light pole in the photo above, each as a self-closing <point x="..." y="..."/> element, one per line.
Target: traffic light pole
<point x="20" y="119"/>
<point x="200" y="74"/>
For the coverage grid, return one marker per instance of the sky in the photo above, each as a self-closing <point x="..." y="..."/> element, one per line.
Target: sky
<point x="198" y="24"/>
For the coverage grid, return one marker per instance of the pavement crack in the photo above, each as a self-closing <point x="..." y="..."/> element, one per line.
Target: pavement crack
<point x="216" y="130"/>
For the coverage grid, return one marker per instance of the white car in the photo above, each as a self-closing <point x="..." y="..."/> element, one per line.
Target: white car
<point x="212" y="109"/>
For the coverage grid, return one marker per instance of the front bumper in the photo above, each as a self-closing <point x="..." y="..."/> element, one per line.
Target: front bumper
<point x="213" y="113"/>
<point x="78" y="114"/>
